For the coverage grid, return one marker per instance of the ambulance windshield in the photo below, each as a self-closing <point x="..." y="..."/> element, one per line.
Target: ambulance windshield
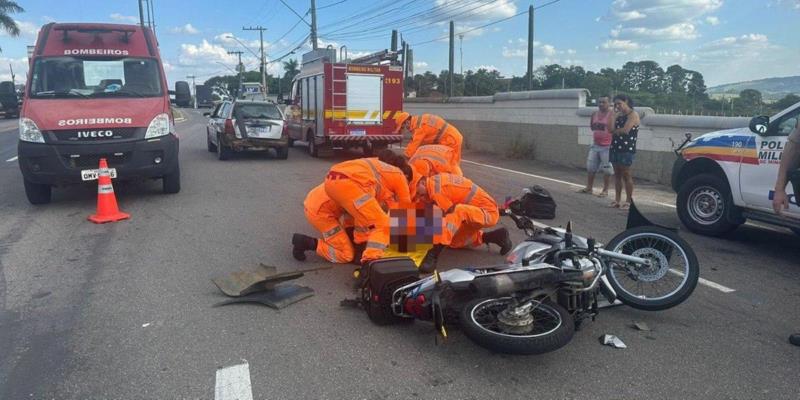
<point x="71" y="77"/>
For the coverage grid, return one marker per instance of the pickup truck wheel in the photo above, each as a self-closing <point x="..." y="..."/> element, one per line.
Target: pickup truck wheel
<point x="223" y="153"/>
<point x="282" y="152"/>
<point x="37" y="193"/>
<point x="171" y="183"/>
<point x="705" y="205"/>
<point x="313" y="151"/>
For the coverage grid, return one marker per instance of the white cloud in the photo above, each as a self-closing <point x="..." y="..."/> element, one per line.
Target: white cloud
<point x="123" y="18"/>
<point x="712" y="20"/>
<point x="519" y="49"/>
<point x="230" y="40"/>
<point x="187" y="29"/>
<point x="20" y="66"/>
<point x="205" y="53"/>
<point x="745" y="57"/>
<point x="420" y="64"/>
<point x="26" y="29"/>
<point x="619" y="45"/>
<point x="679" y="31"/>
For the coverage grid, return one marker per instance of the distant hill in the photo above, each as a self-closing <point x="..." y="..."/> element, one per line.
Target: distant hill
<point x="770" y="88"/>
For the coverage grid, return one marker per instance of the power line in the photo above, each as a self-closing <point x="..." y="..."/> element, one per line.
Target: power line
<point x="331" y="5"/>
<point x="295" y="12"/>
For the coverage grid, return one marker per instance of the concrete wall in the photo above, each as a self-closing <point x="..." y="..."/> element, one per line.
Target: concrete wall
<point x="553" y="126"/>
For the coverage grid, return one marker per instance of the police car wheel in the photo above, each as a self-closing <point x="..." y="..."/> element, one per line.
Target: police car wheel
<point x="705" y="205"/>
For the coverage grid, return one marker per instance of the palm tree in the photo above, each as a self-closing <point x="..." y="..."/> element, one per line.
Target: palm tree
<point x="6" y="22"/>
<point x="290" y="67"/>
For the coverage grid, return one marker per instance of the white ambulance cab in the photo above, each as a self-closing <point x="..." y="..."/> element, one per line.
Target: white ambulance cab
<point x="727" y="177"/>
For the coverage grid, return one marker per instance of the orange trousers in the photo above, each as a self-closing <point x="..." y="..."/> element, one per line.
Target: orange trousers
<point x="462" y="227"/>
<point x="371" y="222"/>
<point x="330" y="220"/>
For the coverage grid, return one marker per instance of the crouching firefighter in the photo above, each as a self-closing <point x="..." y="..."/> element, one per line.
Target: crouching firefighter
<point x="428" y="129"/>
<point x="330" y="219"/>
<point x="433" y="159"/>
<point x="467" y="209"/>
<point x="360" y="187"/>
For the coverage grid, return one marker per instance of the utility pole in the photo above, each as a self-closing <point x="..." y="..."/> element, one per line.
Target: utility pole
<point x="194" y="89"/>
<point x="461" y="59"/>
<point x="141" y="14"/>
<point x="240" y="68"/>
<point x="394" y="40"/>
<point x="313" y="24"/>
<point x="530" y="47"/>
<point x="13" y="80"/>
<point x="452" y="56"/>
<point x="261" y="30"/>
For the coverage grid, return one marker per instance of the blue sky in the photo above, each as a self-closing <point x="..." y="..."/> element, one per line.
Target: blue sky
<point x="726" y="40"/>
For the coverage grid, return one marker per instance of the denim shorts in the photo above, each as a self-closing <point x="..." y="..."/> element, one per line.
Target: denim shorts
<point x="598" y="160"/>
<point x="622" y="157"/>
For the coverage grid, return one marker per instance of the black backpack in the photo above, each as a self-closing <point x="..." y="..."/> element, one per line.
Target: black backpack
<point x="536" y="203"/>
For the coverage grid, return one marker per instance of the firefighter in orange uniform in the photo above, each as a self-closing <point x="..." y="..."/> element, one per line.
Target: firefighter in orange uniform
<point x="468" y="209"/>
<point x="432" y="159"/>
<point x="327" y="217"/>
<point x="360" y="187"/>
<point x="430" y="129"/>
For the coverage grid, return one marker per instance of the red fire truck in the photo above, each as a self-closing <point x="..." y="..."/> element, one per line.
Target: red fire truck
<point x="345" y="104"/>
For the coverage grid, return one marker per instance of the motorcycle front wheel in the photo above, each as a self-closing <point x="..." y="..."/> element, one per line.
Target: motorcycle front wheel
<point x="543" y="328"/>
<point x="667" y="282"/>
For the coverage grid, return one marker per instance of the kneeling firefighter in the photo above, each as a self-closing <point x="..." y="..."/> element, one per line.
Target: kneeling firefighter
<point x="428" y="129"/>
<point x="468" y="209"/>
<point x="433" y="159"/>
<point x="330" y="219"/>
<point x="360" y="187"/>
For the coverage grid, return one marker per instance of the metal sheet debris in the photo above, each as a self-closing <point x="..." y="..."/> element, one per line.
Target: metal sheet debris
<point x="613" y="341"/>
<point x="641" y="326"/>
<point x="259" y="279"/>
<point x="277" y="297"/>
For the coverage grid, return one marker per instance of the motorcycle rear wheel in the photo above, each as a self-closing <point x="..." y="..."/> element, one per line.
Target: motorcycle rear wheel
<point x="672" y="257"/>
<point x="479" y="322"/>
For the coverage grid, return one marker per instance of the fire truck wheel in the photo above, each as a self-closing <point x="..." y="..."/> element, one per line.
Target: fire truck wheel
<point x="313" y="151"/>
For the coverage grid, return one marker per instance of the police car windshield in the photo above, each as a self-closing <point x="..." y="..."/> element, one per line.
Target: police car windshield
<point x="72" y="77"/>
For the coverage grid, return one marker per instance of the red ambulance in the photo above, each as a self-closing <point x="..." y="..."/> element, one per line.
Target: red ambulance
<point x="94" y="91"/>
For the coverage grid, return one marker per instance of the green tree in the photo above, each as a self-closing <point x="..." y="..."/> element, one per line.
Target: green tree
<point x="750" y="102"/>
<point x="7" y="23"/>
<point x="290" y="69"/>
<point x="482" y="83"/>
<point x="597" y="84"/>
<point x="786" y="102"/>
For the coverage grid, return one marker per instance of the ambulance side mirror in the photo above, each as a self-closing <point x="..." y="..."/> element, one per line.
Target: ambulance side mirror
<point x="759" y="125"/>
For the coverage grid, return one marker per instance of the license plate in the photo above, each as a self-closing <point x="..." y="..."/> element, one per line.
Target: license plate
<point x="358" y="132"/>
<point x="92" y="174"/>
<point x="260" y="131"/>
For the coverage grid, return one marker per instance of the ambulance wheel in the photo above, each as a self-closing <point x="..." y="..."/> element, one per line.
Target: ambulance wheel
<point x="37" y="193"/>
<point x="313" y="150"/>
<point x="705" y="205"/>
<point x="171" y="183"/>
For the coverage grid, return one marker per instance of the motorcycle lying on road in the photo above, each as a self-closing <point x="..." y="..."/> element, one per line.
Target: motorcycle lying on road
<point x="551" y="283"/>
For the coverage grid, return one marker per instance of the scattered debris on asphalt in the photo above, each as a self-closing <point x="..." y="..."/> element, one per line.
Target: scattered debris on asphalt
<point x="146" y="325"/>
<point x="613" y="341"/>
<point x="350" y="303"/>
<point x="641" y="326"/>
<point x="261" y="285"/>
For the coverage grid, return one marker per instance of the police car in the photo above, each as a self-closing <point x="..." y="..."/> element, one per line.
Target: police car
<point x="727" y="177"/>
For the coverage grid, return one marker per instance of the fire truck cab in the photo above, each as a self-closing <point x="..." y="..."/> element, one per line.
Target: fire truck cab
<point x="345" y="104"/>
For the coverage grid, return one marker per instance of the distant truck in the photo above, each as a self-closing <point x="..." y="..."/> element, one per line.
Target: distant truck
<point x="204" y="96"/>
<point x="95" y="91"/>
<point x="727" y="177"/>
<point x="183" y="95"/>
<point x="9" y="101"/>
<point x="345" y="104"/>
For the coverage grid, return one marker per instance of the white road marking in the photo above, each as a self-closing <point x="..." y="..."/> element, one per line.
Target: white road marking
<point x="702" y="281"/>
<point x="233" y="383"/>
<point x="12" y="159"/>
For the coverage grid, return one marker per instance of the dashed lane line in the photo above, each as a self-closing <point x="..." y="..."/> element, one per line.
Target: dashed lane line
<point x="233" y="383"/>
<point x="702" y="281"/>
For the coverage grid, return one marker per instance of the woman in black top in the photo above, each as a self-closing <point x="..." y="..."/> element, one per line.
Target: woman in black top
<point x="623" y="148"/>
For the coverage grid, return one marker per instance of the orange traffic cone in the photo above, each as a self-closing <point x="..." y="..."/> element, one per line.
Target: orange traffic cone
<point x="107" y="210"/>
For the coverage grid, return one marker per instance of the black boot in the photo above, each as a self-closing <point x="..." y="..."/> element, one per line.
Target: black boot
<point x="300" y="244"/>
<point x="429" y="262"/>
<point x="358" y="250"/>
<point x="795" y="339"/>
<point x="499" y="237"/>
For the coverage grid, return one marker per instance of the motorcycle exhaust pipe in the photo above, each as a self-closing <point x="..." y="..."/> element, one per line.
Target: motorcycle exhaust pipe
<point x="505" y="284"/>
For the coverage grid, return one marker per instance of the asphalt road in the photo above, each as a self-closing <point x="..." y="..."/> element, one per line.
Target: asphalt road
<point x="124" y="310"/>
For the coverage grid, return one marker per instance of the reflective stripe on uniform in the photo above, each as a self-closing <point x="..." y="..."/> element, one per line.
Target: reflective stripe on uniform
<point x="362" y="200"/>
<point x="428" y="157"/>
<point x="105" y="189"/>
<point x="419" y="121"/>
<point x="332" y="232"/>
<point x="452" y="227"/>
<point x="437" y="184"/>
<point x="440" y="133"/>
<point x="485" y="217"/>
<point x="471" y="194"/>
<point x="376" y="245"/>
<point x="332" y="253"/>
<point x="377" y="178"/>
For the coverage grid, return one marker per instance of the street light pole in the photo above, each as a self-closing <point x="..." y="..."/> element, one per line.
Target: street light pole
<point x="261" y="30"/>
<point x="194" y="89"/>
<point x="239" y="67"/>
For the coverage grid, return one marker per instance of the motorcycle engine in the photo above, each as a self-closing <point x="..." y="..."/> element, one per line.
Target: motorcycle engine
<point x="588" y="266"/>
